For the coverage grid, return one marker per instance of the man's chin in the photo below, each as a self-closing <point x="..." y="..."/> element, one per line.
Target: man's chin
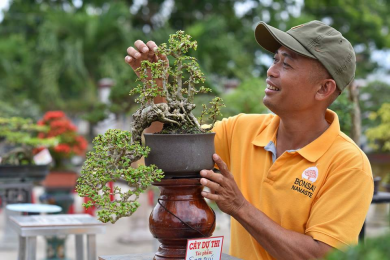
<point x="269" y="104"/>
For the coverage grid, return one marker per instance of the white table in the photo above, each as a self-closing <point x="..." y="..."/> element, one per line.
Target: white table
<point x="34" y="208"/>
<point x="10" y="238"/>
<point x="29" y="227"/>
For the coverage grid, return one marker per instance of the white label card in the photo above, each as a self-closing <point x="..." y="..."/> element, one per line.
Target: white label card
<point x="43" y="157"/>
<point x="204" y="248"/>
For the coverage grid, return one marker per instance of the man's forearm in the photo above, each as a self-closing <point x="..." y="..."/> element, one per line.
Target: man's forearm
<point x="156" y="126"/>
<point x="281" y="243"/>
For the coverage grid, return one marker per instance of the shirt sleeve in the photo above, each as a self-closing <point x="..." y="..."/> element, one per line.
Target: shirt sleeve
<point x="223" y="136"/>
<point x="340" y="208"/>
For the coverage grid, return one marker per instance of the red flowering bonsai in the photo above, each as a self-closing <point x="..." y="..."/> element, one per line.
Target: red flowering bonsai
<point x="70" y="143"/>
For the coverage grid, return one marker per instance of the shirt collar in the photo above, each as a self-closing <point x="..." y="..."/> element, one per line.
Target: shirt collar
<point x="268" y="134"/>
<point x="311" y="152"/>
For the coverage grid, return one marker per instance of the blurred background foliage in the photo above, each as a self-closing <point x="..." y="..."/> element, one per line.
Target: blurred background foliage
<point x="54" y="52"/>
<point x="373" y="249"/>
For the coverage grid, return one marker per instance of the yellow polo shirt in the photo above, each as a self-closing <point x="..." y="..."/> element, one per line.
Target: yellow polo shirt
<point x="322" y="190"/>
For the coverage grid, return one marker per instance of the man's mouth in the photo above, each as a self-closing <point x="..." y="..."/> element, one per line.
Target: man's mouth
<point x="272" y="87"/>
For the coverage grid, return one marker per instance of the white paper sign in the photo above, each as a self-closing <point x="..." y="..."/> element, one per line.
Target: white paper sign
<point x="204" y="248"/>
<point x="43" y="157"/>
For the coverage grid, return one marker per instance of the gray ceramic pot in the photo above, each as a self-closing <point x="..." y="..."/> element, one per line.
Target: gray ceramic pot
<point x="181" y="155"/>
<point x="24" y="172"/>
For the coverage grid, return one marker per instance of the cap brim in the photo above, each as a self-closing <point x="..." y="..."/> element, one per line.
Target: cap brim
<point x="271" y="39"/>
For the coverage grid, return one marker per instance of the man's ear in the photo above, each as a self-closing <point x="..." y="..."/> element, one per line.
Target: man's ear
<point x="326" y="88"/>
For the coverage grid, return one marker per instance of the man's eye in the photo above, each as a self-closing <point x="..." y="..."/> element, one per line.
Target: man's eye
<point x="285" y="64"/>
<point x="276" y="60"/>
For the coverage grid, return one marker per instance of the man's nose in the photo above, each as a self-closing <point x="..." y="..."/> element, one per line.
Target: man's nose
<point x="273" y="71"/>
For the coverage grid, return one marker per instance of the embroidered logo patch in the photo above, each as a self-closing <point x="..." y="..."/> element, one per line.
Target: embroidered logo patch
<point x="310" y="174"/>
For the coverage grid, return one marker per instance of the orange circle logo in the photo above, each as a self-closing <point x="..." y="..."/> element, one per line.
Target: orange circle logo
<point x="310" y="174"/>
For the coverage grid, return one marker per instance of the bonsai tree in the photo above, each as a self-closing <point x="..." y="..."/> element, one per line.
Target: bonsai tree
<point x="22" y="136"/>
<point x="116" y="150"/>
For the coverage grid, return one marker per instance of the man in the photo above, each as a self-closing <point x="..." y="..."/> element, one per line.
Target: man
<point x="295" y="186"/>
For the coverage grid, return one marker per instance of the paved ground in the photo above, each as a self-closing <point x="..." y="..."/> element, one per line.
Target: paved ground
<point x="131" y="235"/>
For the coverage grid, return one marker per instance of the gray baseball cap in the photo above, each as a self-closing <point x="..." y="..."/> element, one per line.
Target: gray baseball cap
<point x="315" y="40"/>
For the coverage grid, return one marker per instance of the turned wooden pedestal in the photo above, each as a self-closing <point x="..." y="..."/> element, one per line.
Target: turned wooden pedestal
<point x="181" y="213"/>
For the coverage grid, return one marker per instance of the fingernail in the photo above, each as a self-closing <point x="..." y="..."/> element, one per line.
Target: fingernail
<point x="203" y="173"/>
<point x="203" y="181"/>
<point x="127" y="59"/>
<point x="215" y="156"/>
<point x="155" y="49"/>
<point x="204" y="193"/>
<point x="137" y="55"/>
<point x="145" y="49"/>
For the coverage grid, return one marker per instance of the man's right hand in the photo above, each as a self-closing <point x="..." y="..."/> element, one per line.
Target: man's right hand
<point x="141" y="52"/>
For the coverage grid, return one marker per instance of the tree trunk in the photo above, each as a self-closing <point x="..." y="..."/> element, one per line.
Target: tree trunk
<point x="353" y="89"/>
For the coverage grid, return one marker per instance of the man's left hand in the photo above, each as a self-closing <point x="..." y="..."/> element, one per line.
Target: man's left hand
<point x="223" y="189"/>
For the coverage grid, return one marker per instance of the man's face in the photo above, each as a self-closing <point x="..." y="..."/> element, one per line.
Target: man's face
<point x="290" y="85"/>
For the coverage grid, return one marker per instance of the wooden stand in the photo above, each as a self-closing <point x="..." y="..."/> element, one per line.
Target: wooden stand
<point x="181" y="213"/>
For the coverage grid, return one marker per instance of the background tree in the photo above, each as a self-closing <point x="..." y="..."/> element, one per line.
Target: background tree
<point x="372" y="96"/>
<point x="379" y="136"/>
<point x="247" y="98"/>
<point x="366" y="25"/>
<point x="55" y="52"/>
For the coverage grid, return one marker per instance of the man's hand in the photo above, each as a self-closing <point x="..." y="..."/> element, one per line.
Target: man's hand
<point x="223" y="189"/>
<point x="137" y="54"/>
<point x="141" y="52"/>
<point x="279" y="242"/>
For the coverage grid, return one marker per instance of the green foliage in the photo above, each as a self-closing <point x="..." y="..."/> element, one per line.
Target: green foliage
<point x="97" y="113"/>
<point x="246" y="98"/>
<point x="213" y="111"/>
<point x="372" y="97"/>
<point x="230" y="56"/>
<point x="179" y="45"/>
<point x="343" y="107"/>
<point x="25" y="109"/>
<point x="22" y="135"/>
<point x="111" y="161"/>
<point x="372" y="249"/>
<point x="379" y="136"/>
<point x="55" y="57"/>
<point x="178" y="83"/>
<point x="54" y="52"/>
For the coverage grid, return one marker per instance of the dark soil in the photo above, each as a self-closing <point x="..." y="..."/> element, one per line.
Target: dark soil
<point x="173" y="129"/>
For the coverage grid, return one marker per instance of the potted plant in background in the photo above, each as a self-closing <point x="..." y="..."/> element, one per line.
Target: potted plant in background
<point x="61" y="181"/>
<point x="20" y="167"/>
<point x="62" y="178"/>
<point x="18" y="140"/>
<point x="179" y="151"/>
